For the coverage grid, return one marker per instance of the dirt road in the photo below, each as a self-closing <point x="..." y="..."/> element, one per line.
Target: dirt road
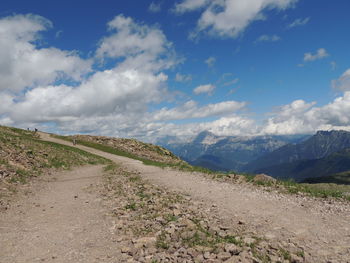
<point x="62" y="222"/>
<point x="321" y="228"/>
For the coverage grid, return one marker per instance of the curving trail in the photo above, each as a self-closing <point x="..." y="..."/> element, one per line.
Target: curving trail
<point x="321" y="228"/>
<point x="62" y="222"/>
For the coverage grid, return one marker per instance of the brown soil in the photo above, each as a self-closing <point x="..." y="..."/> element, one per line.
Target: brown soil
<point x="62" y="222"/>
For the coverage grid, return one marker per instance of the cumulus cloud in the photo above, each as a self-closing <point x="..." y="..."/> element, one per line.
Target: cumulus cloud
<point x="320" y="54"/>
<point x="209" y="89"/>
<point x="104" y="93"/>
<point x="121" y="92"/>
<point x="231" y="82"/>
<point x="23" y="64"/>
<point x="210" y="61"/>
<point x="183" y="78"/>
<point x="343" y="83"/>
<point x="155" y="7"/>
<point x="6" y="102"/>
<point x="139" y="45"/>
<point x="299" y="22"/>
<point x="302" y="117"/>
<point x="190" y="110"/>
<point x="189" y="5"/>
<point x="119" y="99"/>
<point x="229" y="18"/>
<point x="267" y="38"/>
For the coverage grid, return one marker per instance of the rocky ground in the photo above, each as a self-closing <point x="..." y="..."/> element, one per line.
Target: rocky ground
<point x="156" y="225"/>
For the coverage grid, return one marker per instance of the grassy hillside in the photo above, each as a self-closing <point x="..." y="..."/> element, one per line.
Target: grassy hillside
<point x="335" y="163"/>
<point x="147" y="153"/>
<point x="23" y="156"/>
<point x="339" y="178"/>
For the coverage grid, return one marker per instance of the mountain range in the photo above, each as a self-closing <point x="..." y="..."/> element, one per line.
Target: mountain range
<point x="225" y="153"/>
<point x="324" y="154"/>
<point x="323" y="157"/>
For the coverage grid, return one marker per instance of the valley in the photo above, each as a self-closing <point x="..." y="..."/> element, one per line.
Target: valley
<point x="299" y="158"/>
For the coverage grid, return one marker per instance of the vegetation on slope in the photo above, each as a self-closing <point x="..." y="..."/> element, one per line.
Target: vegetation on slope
<point x="149" y="154"/>
<point x="23" y="155"/>
<point x="317" y="190"/>
<point x="339" y="178"/>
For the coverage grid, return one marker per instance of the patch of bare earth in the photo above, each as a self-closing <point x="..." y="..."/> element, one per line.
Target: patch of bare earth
<point x="60" y="219"/>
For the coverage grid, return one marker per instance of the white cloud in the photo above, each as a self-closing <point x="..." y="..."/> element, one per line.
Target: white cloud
<point x="320" y="54"/>
<point x="107" y="92"/>
<point x="122" y="93"/>
<point x="189" y="5"/>
<point x="229" y="18"/>
<point x="24" y="65"/>
<point x="268" y="38"/>
<point x="142" y="46"/>
<point x="210" y="61"/>
<point x="6" y="102"/>
<point x="231" y="82"/>
<point x="209" y="89"/>
<point x="301" y="117"/>
<point x="155" y="7"/>
<point x="343" y="83"/>
<point x="183" y="78"/>
<point x="190" y="110"/>
<point x="333" y="65"/>
<point x="299" y="22"/>
<point x="119" y="100"/>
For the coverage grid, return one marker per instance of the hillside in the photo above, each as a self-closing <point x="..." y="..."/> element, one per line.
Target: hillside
<point x="23" y="156"/>
<point x="307" y="169"/>
<point x="321" y="145"/>
<point x="131" y="147"/>
<point x="339" y="178"/>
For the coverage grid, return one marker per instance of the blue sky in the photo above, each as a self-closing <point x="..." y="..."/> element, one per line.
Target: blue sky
<point x="148" y="69"/>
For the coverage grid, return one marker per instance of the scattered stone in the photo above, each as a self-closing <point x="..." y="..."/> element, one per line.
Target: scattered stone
<point x="223" y="256"/>
<point x="232" y="249"/>
<point x="249" y="240"/>
<point x="264" y="178"/>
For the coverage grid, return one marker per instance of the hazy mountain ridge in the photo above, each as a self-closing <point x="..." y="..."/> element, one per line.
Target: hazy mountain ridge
<point x="306" y="169"/>
<point x="226" y="152"/>
<point x="318" y="146"/>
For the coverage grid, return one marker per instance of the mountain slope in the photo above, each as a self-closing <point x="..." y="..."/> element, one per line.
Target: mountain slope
<point x="339" y="178"/>
<point x="226" y="152"/>
<point x="306" y="169"/>
<point x="322" y="144"/>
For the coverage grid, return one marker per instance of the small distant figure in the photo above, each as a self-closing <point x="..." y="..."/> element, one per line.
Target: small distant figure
<point x="35" y="130"/>
<point x="74" y="141"/>
<point x="27" y="129"/>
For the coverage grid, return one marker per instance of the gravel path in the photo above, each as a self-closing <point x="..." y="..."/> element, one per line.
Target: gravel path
<point x="62" y="222"/>
<point x="321" y="227"/>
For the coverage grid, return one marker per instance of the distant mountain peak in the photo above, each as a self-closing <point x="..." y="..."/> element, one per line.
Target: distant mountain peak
<point x="332" y="132"/>
<point x="206" y="137"/>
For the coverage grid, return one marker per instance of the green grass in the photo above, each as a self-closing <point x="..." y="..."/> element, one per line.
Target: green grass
<point x="30" y="156"/>
<point x="289" y="186"/>
<point x="108" y="149"/>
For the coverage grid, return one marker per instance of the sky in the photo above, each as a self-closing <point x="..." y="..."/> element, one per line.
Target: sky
<point x="148" y="69"/>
